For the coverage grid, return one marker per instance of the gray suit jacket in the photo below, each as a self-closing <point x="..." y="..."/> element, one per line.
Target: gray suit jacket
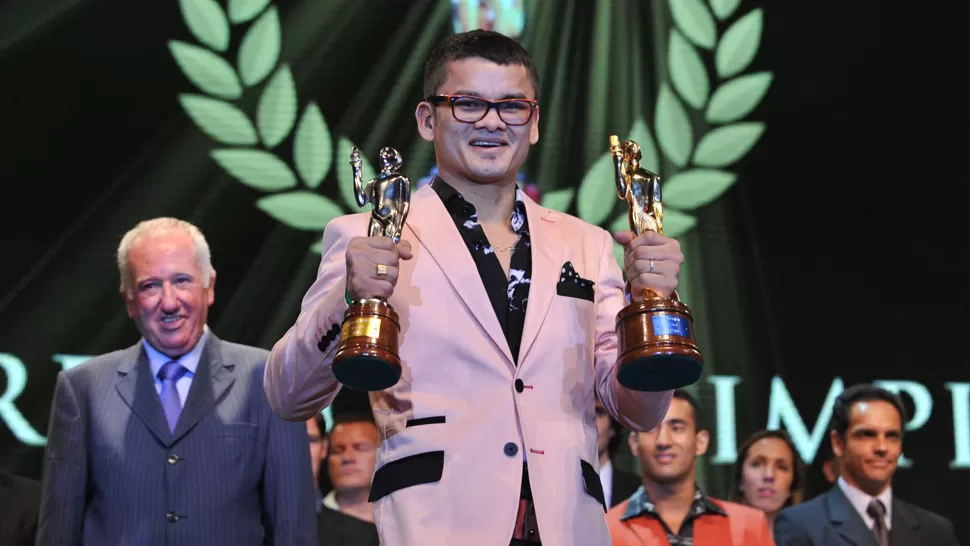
<point x="830" y="520"/>
<point x="232" y="473"/>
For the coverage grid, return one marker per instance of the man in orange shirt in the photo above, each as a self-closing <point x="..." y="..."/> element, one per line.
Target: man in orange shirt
<point x="669" y="508"/>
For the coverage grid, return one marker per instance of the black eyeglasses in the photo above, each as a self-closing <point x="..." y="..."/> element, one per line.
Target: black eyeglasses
<point x="469" y="109"/>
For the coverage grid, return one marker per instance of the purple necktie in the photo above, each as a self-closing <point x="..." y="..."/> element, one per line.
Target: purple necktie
<point x="877" y="510"/>
<point x="170" y="373"/>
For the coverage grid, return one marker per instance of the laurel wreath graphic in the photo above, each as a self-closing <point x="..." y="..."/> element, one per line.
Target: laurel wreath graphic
<point x="248" y="148"/>
<point x="700" y="176"/>
<point x="249" y="151"/>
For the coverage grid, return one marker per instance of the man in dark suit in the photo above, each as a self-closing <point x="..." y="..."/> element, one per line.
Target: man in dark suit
<point x="618" y="485"/>
<point x="172" y="440"/>
<point x="860" y="510"/>
<point x="19" y="499"/>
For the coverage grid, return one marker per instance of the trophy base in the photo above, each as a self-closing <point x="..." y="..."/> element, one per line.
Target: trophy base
<point x="656" y="348"/>
<point x="367" y="358"/>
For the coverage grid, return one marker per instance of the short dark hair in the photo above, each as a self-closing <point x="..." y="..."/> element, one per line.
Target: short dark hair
<point x="486" y="44"/>
<point x="863" y="392"/>
<point x="321" y="422"/>
<point x="694" y="405"/>
<point x="352" y="416"/>
<point x="798" y="466"/>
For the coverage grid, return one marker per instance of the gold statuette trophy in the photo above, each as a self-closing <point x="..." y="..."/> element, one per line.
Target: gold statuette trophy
<point x="656" y="349"/>
<point x="367" y="358"/>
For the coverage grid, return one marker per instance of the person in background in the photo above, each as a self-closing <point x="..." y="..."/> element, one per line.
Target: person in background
<point x="769" y="475"/>
<point x="866" y="431"/>
<point x="316" y="429"/>
<point x="172" y="440"/>
<point x="19" y="504"/>
<point x="617" y="483"/>
<point x="347" y="516"/>
<point x="670" y="508"/>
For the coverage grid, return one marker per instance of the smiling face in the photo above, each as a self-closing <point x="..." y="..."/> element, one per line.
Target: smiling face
<point x="169" y="301"/>
<point x="872" y="445"/>
<point x="487" y="151"/>
<point x="767" y="474"/>
<point x="668" y="452"/>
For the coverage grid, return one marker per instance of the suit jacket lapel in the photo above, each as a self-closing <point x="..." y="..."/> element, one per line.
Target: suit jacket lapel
<point x="904" y="530"/>
<point x="712" y="529"/>
<point x="211" y="380"/>
<point x="846" y="521"/>
<point x="137" y="388"/>
<point x="547" y="253"/>
<point x="435" y="229"/>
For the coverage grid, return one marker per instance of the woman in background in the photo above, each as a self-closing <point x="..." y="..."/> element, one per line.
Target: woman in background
<point x="769" y="474"/>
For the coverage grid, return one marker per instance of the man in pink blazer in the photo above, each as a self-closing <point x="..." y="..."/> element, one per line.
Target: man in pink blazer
<point x="507" y="313"/>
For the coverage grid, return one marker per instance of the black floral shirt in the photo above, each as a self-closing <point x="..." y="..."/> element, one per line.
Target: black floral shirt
<point x="509" y="297"/>
<point x="641" y="505"/>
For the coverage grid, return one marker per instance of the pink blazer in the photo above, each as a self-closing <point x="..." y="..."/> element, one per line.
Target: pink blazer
<point x="456" y="427"/>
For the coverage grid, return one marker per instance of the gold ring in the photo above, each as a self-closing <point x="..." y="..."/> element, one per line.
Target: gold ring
<point x="381" y="270"/>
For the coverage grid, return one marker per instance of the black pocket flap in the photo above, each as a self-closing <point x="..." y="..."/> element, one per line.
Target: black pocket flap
<point x="409" y="471"/>
<point x="591" y="483"/>
<point x="437" y="420"/>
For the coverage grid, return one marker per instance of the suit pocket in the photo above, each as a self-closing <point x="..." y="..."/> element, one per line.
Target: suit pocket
<point x="407" y="472"/>
<point x="591" y="483"/>
<point x="571" y="285"/>
<point x="438" y="420"/>
<point x="245" y="430"/>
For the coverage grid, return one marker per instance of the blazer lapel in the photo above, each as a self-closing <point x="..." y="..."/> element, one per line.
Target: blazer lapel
<point x="435" y="229"/>
<point x="712" y="529"/>
<point x="137" y="388"/>
<point x="547" y="253"/>
<point x="846" y="521"/>
<point x="904" y="530"/>
<point x="211" y="380"/>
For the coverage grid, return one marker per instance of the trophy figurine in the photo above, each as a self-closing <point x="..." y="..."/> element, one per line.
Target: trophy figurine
<point x="367" y="358"/>
<point x="655" y="336"/>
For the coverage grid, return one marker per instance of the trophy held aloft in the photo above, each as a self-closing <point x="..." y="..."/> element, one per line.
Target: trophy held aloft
<point x="655" y="336"/>
<point x="367" y="358"/>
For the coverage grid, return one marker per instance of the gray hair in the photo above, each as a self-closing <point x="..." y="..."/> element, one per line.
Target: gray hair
<point x="160" y="225"/>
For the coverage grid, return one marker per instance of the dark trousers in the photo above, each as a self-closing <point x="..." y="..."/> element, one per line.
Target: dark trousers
<point x="526" y="528"/>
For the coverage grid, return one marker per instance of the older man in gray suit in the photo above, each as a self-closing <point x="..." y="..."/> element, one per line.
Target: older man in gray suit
<point x="172" y="441"/>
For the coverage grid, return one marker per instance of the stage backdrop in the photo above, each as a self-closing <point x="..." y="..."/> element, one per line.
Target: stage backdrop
<point x="785" y="134"/>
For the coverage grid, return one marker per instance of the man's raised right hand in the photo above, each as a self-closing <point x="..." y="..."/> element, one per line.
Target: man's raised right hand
<point x="364" y="255"/>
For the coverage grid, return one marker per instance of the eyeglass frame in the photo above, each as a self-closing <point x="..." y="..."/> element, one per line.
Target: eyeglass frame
<point x="439" y="100"/>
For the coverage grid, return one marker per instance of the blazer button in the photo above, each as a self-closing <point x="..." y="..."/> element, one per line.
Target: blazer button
<point x="171" y="517"/>
<point x="519" y="385"/>
<point x="511" y="449"/>
<point x="172" y="459"/>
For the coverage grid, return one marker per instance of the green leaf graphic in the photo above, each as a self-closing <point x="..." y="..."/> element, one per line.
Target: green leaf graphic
<point x="724" y="8"/>
<point x="207" y="22"/>
<point x="640" y="134"/>
<point x="688" y="190"/>
<point x="677" y="223"/>
<point x="312" y="147"/>
<point x="260" y="48"/>
<point x="220" y="120"/>
<point x="255" y="168"/>
<point x="674" y="132"/>
<point x="345" y="174"/>
<point x="687" y="71"/>
<point x="737" y="98"/>
<point x="727" y="144"/>
<point x="597" y="192"/>
<point x="208" y="71"/>
<point x="739" y="44"/>
<point x="241" y="11"/>
<point x="300" y="209"/>
<point x="276" y="111"/>
<point x="558" y="200"/>
<point x="694" y="20"/>
<point x="317" y="247"/>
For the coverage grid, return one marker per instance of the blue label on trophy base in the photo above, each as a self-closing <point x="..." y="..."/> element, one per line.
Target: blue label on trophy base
<point x="667" y="325"/>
